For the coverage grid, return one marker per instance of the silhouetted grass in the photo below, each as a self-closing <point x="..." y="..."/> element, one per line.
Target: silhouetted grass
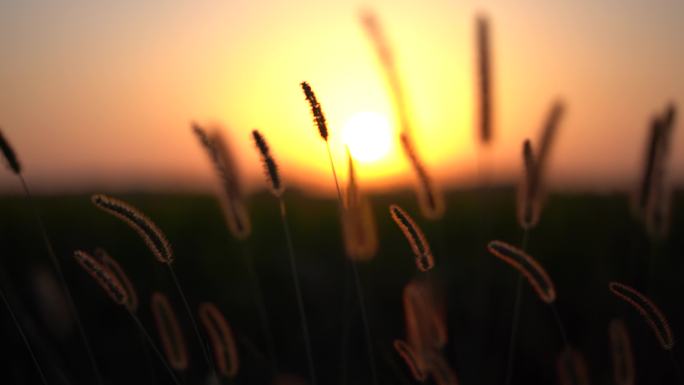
<point x="584" y="241"/>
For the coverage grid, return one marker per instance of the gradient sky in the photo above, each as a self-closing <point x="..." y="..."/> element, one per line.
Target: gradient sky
<point x="101" y="94"/>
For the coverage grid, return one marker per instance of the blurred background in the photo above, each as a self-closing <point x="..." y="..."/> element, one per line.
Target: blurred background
<point x="102" y="94"/>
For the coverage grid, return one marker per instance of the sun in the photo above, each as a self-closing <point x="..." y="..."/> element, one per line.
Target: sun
<point x="368" y="136"/>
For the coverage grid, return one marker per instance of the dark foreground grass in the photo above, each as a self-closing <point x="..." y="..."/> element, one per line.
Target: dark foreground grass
<point x="584" y="241"/>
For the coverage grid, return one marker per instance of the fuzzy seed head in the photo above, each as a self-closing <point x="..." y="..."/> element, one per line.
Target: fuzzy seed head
<point x="429" y="196"/>
<point x="270" y="165"/>
<point x="118" y="272"/>
<point x="648" y="310"/>
<point x="316" y="110"/>
<point x="102" y="276"/>
<point x="154" y="238"/>
<point x="221" y="339"/>
<point x="232" y="200"/>
<point x="529" y="204"/>
<point x="170" y="333"/>
<point x="9" y="155"/>
<point x="414" y="235"/>
<point x="526" y="265"/>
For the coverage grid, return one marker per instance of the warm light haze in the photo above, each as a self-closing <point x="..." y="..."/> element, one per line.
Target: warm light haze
<point x="101" y="94"/>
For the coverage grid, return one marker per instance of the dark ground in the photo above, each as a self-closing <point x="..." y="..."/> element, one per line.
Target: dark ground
<point x="584" y="241"/>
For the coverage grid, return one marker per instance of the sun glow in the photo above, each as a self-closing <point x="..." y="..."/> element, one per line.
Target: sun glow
<point x="368" y="135"/>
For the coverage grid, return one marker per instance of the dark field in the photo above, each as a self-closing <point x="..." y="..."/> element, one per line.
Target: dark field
<point x="584" y="241"/>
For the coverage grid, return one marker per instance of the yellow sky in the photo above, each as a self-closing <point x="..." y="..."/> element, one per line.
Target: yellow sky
<point x="101" y="95"/>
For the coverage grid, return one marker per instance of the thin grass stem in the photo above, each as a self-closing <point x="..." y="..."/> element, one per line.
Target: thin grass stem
<point x="675" y="365"/>
<point x="334" y="172"/>
<point x="261" y="307"/>
<point x="148" y="358"/>
<point x="516" y="317"/>
<point x="203" y="345"/>
<point x="58" y="267"/>
<point x="357" y="279"/>
<point x="346" y="321"/>
<point x="23" y="336"/>
<point x="298" y="292"/>
<point x="364" y="318"/>
<point x="159" y="354"/>
<point x="561" y="327"/>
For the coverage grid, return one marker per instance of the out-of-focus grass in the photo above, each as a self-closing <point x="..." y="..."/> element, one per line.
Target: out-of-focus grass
<point x="584" y="241"/>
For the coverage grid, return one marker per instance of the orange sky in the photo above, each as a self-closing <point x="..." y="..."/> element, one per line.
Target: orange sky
<point x="101" y="95"/>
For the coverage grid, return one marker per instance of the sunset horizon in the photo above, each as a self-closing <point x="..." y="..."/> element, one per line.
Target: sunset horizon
<point x="107" y="121"/>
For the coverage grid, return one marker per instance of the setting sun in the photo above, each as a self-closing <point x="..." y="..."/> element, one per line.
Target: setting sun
<point x="368" y="135"/>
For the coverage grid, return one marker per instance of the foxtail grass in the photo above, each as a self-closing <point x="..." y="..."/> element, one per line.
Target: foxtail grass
<point x="531" y="191"/>
<point x="277" y="189"/>
<point x="116" y="271"/>
<point x="358" y="224"/>
<point x="170" y="332"/>
<point x="120" y="294"/>
<point x="654" y="152"/>
<point x="153" y="236"/>
<point x="528" y="267"/>
<point x="426" y="335"/>
<point x="538" y="279"/>
<point x="111" y="285"/>
<point x="383" y="49"/>
<point x="270" y="165"/>
<point x="484" y="78"/>
<point x="158" y="245"/>
<point x="621" y="353"/>
<point x="653" y="316"/>
<point x="529" y="205"/>
<point x="652" y="198"/>
<point x="425" y="325"/>
<point x="316" y="110"/>
<point x="429" y="196"/>
<point x="360" y="242"/>
<point x="237" y="217"/>
<point x="653" y="193"/>
<point x="549" y="133"/>
<point x="221" y="339"/>
<point x="319" y="119"/>
<point x="14" y="165"/>
<point x="232" y="200"/>
<point x="415" y="237"/>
